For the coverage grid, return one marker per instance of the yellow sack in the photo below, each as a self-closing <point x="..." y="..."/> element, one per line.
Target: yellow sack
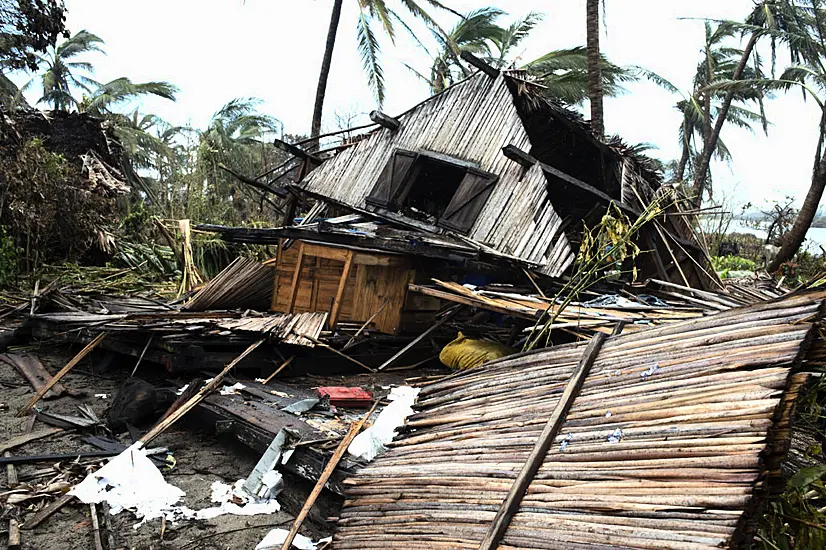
<point x="467" y="353"/>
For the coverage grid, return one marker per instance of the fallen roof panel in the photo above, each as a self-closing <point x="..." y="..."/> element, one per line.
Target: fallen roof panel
<point x="665" y="445"/>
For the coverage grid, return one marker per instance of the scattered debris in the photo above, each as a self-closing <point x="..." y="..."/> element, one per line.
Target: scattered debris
<point x="372" y="441"/>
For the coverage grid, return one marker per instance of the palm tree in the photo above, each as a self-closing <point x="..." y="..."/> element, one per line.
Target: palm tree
<point x="563" y="73"/>
<point x="810" y="76"/>
<point x="234" y="138"/>
<point x="61" y="73"/>
<point x="120" y="91"/>
<point x="371" y="12"/>
<point x="702" y="105"/>
<point x="776" y="19"/>
<point x="136" y="132"/>
<point x="595" y="91"/>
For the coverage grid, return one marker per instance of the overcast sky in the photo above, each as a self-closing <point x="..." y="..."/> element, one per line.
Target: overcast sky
<point x="217" y="50"/>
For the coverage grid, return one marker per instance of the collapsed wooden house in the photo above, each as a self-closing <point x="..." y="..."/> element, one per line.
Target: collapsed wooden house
<point x="664" y="438"/>
<point x="480" y="182"/>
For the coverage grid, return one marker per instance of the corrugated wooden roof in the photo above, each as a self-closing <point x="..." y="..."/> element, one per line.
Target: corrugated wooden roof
<point x="472" y="121"/>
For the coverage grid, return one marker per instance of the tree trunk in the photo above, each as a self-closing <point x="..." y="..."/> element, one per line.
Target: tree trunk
<point x="791" y="241"/>
<point x="711" y="143"/>
<point x="594" y="69"/>
<point x="325" y="69"/>
<point x="679" y="175"/>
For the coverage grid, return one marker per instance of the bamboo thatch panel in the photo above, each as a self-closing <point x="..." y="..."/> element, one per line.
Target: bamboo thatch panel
<point x="667" y="444"/>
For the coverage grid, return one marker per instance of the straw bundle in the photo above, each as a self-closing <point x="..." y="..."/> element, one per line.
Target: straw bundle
<point x="674" y="435"/>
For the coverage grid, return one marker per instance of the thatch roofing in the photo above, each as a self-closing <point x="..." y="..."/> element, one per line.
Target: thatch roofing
<point x="675" y="434"/>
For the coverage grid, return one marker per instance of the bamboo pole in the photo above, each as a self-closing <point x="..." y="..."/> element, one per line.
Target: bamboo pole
<point x="354" y="430"/>
<point x="537" y="456"/>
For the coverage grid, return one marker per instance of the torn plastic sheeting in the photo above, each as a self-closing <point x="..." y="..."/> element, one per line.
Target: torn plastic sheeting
<point x="131" y="482"/>
<point x="371" y="442"/>
<point x="235" y="388"/>
<point x="301" y="406"/>
<point x="275" y="539"/>
<point x="228" y="496"/>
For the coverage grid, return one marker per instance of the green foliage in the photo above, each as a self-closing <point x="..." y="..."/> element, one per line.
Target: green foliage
<point x="604" y="249"/>
<point x="63" y="73"/>
<point x="563" y="73"/>
<point x="28" y="27"/>
<point x="9" y="258"/>
<point x="51" y="210"/>
<point x="732" y="263"/>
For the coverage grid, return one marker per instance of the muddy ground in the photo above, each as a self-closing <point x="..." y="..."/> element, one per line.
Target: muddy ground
<point x="201" y="458"/>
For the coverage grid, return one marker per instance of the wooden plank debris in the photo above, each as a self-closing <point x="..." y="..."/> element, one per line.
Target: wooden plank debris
<point x="448" y="317"/>
<point x="513" y="499"/>
<point x="56" y="378"/>
<point x="22" y="439"/>
<point x="47" y="512"/>
<point x="14" y="535"/>
<point x="164" y="424"/>
<point x="354" y="430"/>
<point x="34" y="372"/>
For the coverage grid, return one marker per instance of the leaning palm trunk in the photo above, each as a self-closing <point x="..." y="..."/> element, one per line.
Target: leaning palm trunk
<point x="321" y="92"/>
<point x="594" y="68"/>
<point x="710" y="144"/>
<point x="791" y="241"/>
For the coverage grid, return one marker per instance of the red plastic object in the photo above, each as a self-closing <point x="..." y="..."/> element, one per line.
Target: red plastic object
<point x="342" y="396"/>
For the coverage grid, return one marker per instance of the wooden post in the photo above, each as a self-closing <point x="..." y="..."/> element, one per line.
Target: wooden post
<point x="382" y="119"/>
<point x="276" y="277"/>
<point x="355" y="428"/>
<point x="93" y="514"/>
<point x="279" y="369"/>
<point x="345" y="274"/>
<point x="517" y="491"/>
<point x="296" y="278"/>
<point x="421" y="337"/>
<point x="161" y="426"/>
<point x="56" y="378"/>
<point x="14" y="535"/>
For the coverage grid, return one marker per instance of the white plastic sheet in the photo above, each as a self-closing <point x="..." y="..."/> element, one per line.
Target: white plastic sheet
<point x="130" y="481"/>
<point x="371" y="442"/>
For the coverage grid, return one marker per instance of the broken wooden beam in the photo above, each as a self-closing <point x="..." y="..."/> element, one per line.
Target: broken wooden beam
<point x="518" y="155"/>
<point x="56" y="378"/>
<point x="279" y="369"/>
<point x="197" y="398"/>
<point x="255" y="183"/>
<point x="34" y="372"/>
<point x="387" y="121"/>
<point x="474" y="61"/>
<point x="517" y="491"/>
<point x="421" y="337"/>
<point x="354" y="430"/>
<point x="47" y="512"/>
<point x="296" y="151"/>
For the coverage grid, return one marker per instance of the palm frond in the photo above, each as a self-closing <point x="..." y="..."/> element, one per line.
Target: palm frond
<point x="369" y="49"/>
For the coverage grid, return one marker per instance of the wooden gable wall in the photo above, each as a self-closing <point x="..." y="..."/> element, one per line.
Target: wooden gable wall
<point x="472" y="121"/>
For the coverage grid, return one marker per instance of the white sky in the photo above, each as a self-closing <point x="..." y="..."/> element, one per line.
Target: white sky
<point x="216" y="50"/>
